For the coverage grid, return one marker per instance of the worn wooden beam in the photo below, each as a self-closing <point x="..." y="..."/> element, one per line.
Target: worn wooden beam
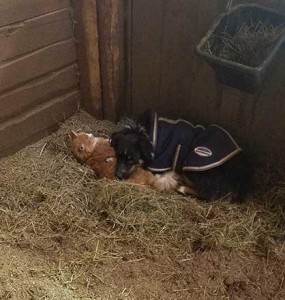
<point x="110" y="26"/>
<point x="86" y="32"/>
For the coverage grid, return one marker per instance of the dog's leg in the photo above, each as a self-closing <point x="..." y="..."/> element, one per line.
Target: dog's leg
<point x="161" y="182"/>
<point x="186" y="191"/>
<point x="186" y="181"/>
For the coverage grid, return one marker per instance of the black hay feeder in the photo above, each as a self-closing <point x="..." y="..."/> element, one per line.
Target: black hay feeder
<point x="242" y="44"/>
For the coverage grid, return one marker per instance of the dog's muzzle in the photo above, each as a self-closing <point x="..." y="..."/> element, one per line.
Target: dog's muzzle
<point x="122" y="174"/>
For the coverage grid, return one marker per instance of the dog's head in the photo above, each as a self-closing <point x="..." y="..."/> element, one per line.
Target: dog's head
<point x="133" y="148"/>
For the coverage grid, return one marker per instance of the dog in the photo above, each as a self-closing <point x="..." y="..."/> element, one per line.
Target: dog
<point x="209" y="161"/>
<point x="97" y="153"/>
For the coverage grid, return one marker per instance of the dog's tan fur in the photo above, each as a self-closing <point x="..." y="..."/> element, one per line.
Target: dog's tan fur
<point x="97" y="153"/>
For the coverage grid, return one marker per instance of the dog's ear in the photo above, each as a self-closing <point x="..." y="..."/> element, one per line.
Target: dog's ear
<point x="141" y="129"/>
<point x="130" y="124"/>
<point x="146" y="119"/>
<point x="116" y="136"/>
<point x="146" y="149"/>
<point x="114" y="139"/>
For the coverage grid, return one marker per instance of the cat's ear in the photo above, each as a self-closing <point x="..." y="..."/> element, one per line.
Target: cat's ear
<point x="73" y="135"/>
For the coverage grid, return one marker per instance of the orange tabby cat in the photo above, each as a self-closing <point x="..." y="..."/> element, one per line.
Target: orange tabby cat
<point x="97" y="153"/>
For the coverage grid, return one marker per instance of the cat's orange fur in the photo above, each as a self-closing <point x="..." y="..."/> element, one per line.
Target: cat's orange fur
<point x="97" y="153"/>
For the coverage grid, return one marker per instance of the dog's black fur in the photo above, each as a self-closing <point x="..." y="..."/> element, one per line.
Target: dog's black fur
<point x="132" y="147"/>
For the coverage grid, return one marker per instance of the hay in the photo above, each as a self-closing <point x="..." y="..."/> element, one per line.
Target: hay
<point x="50" y="202"/>
<point x="248" y="45"/>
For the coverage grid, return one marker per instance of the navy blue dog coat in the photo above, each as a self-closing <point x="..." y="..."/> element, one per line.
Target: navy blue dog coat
<point x="180" y="146"/>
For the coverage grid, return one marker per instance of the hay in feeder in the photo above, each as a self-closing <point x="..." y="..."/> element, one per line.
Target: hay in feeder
<point x="248" y="45"/>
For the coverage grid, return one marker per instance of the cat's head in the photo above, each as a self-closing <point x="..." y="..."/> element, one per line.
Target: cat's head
<point x="82" y="145"/>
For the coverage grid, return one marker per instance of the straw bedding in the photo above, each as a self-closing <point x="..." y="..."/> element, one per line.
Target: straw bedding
<point x="49" y="202"/>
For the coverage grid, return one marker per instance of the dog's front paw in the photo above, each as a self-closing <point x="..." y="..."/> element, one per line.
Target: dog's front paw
<point x="186" y="191"/>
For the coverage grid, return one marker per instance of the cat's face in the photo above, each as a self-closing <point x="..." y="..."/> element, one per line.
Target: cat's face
<point x="82" y="145"/>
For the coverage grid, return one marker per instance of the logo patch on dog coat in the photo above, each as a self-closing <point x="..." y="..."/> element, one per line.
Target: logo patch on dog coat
<point x="203" y="151"/>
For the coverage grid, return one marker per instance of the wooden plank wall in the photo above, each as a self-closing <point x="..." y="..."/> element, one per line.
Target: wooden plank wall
<point x="38" y="71"/>
<point x="165" y="74"/>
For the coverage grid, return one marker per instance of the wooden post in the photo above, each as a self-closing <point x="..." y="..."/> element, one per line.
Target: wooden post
<point x="110" y="26"/>
<point x="86" y="31"/>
